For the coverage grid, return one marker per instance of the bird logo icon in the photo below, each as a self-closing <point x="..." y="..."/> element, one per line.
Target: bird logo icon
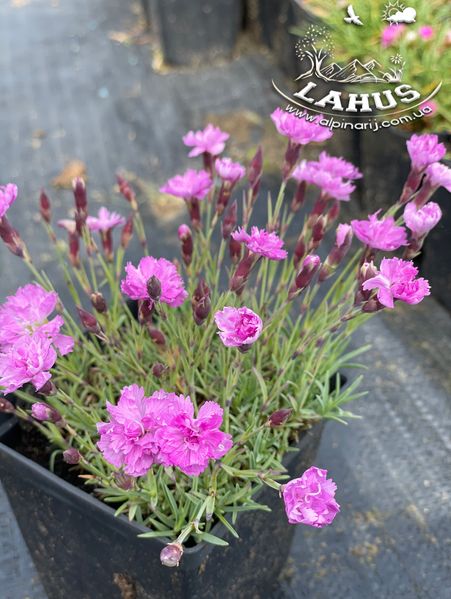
<point x="352" y="18"/>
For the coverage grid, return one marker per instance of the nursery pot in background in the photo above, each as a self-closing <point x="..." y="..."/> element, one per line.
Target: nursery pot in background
<point x="192" y="32"/>
<point x="385" y="163"/>
<point x="82" y="551"/>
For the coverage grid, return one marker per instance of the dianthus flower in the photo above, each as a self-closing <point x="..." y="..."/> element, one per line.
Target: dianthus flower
<point x="27" y="312"/>
<point x="300" y="131"/>
<point x="228" y="170"/>
<point x="238" y="326"/>
<point x="262" y="243"/>
<point x="382" y="234"/>
<point x="135" y="285"/>
<point x="425" y="150"/>
<point x="189" y="443"/>
<point x="192" y="184"/>
<point x="8" y="195"/>
<point x="439" y="175"/>
<point x="27" y="361"/>
<point x="396" y="280"/>
<point x="390" y="34"/>
<point x="310" y="499"/>
<point x="421" y="220"/>
<point x="105" y="220"/>
<point x="210" y="140"/>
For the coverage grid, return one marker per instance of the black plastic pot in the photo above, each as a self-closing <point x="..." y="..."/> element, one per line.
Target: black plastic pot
<point x="385" y="163"/>
<point x="82" y="551"/>
<point x="194" y="31"/>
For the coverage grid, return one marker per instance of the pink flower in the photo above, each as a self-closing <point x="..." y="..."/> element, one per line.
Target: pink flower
<point x="189" y="443"/>
<point x="229" y="171"/>
<point x="238" y="326"/>
<point x="128" y="440"/>
<point x="27" y="312"/>
<point x="439" y="175"/>
<point x="134" y="285"/>
<point x="262" y="243"/>
<point x="390" y="34"/>
<point x="421" y="220"/>
<point x="330" y="174"/>
<point x="211" y="140"/>
<point x="311" y="499"/>
<point x="426" y="32"/>
<point x="338" y="167"/>
<point x="27" y="361"/>
<point x="342" y="234"/>
<point x="424" y="150"/>
<point x="396" y="280"/>
<point x="105" y="220"/>
<point x="8" y="195"/>
<point x="382" y="234"/>
<point x="300" y="131"/>
<point x="192" y="184"/>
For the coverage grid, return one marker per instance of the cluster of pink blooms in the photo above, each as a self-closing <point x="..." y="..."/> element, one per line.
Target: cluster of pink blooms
<point x="29" y="341"/>
<point x="310" y="499"/>
<point x="394" y="32"/>
<point x="334" y="176"/>
<point x="161" y="429"/>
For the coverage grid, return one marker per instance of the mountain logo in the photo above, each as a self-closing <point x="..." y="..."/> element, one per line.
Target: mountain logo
<point x="316" y="46"/>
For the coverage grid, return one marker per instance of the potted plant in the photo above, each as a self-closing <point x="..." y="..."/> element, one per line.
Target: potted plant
<point x="167" y="434"/>
<point x="191" y="32"/>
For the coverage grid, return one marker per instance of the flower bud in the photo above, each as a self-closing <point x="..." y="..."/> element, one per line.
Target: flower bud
<point x="299" y="196"/>
<point x="127" y="232"/>
<point x="44" y="206"/>
<point x="185" y="236"/>
<point x="309" y="267"/>
<point x="12" y="239"/>
<point x="234" y="250"/>
<point x="194" y="212"/>
<point x="81" y="203"/>
<point x="255" y="172"/>
<point x="201" y="302"/>
<point x="157" y="336"/>
<point x="99" y="303"/>
<point x="229" y="222"/>
<point x="6" y="407"/>
<point x="159" y="370"/>
<point x="239" y="279"/>
<point x="123" y="481"/>
<point x="154" y="288"/>
<point x="89" y="321"/>
<point x="171" y="555"/>
<point x="299" y="251"/>
<point x="126" y="191"/>
<point x="291" y="157"/>
<point x="367" y="271"/>
<point x="318" y="231"/>
<point x="48" y="389"/>
<point x="44" y="412"/>
<point x="279" y="417"/>
<point x="71" y="456"/>
<point x="145" y="311"/>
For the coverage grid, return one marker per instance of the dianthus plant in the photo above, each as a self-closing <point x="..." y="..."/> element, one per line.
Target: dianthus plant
<point x="177" y="387"/>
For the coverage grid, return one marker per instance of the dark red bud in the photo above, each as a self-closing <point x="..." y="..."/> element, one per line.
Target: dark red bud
<point x="159" y="370"/>
<point x="255" y="172"/>
<point x="279" y="417"/>
<point x="157" y="336"/>
<point x="229" y="222"/>
<point x="48" y="389"/>
<point x="127" y="232"/>
<point x="299" y="196"/>
<point x="89" y="321"/>
<point x="124" y="481"/>
<point x="99" y="303"/>
<point x="45" y="208"/>
<point x="154" y="288"/>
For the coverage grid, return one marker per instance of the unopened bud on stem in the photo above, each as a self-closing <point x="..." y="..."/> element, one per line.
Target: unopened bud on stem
<point x="171" y="555"/>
